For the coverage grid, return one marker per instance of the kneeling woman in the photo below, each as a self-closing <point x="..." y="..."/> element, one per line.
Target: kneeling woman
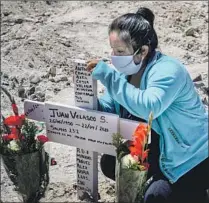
<point x="146" y="80"/>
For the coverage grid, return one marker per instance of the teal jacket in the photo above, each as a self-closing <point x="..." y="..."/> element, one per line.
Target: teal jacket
<point x="180" y="118"/>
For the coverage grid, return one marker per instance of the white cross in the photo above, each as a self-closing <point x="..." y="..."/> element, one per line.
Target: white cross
<point x="83" y="127"/>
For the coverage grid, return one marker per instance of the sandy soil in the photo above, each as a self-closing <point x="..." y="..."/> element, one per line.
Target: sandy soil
<point x="40" y="38"/>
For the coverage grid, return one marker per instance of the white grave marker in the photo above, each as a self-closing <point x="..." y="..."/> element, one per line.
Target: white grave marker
<point x="34" y="110"/>
<point x="83" y="127"/>
<point x="87" y="129"/>
<point x="85" y="87"/>
<point x="93" y="133"/>
<point x="85" y="90"/>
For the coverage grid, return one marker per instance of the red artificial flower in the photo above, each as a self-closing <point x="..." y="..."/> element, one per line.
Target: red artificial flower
<point x="42" y="139"/>
<point x="12" y="136"/>
<point x="5" y="137"/>
<point x="15" y="109"/>
<point x="138" y="143"/>
<point x="14" y="130"/>
<point x="14" y="120"/>
<point x="144" y="155"/>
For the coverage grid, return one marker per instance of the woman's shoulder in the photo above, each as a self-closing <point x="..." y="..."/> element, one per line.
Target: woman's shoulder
<point x="167" y="65"/>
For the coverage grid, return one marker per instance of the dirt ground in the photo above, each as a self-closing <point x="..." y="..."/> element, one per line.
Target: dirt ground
<point x="40" y="38"/>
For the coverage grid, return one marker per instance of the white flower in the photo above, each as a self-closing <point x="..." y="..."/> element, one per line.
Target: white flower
<point x="13" y="145"/>
<point x="127" y="160"/>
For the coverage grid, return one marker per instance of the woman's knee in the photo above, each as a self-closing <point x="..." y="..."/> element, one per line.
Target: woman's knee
<point x="107" y="164"/>
<point x="158" y="192"/>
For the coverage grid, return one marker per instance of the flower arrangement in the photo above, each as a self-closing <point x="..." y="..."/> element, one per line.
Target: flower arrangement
<point x="132" y="163"/>
<point x="22" y="151"/>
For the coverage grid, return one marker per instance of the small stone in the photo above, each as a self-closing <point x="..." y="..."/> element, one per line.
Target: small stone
<point x="66" y="43"/>
<point x="6" y="13"/>
<point x="68" y="83"/>
<point x="33" y="97"/>
<point x="51" y="79"/>
<point x="13" y="85"/>
<point x="6" y="52"/>
<point x="191" y="32"/>
<point x="38" y="89"/>
<point x="45" y="75"/>
<point x="46" y="14"/>
<point x="48" y="2"/>
<point x="40" y="94"/>
<point x="14" y="79"/>
<point x="5" y="83"/>
<point x="198" y="78"/>
<point x="57" y="79"/>
<point x="21" y="92"/>
<point x="34" y="79"/>
<point x="110" y="191"/>
<point x="60" y="78"/>
<point x="112" y="185"/>
<point x="5" y="75"/>
<point x="63" y="78"/>
<point x="57" y="89"/>
<point x="32" y="90"/>
<point x="20" y="35"/>
<point x="52" y="71"/>
<point x="30" y="65"/>
<point x="19" y="21"/>
<point x="51" y="188"/>
<point x="42" y="99"/>
<point x="49" y="88"/>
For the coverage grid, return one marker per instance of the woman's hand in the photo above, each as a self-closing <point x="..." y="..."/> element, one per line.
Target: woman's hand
<point x="91" y="64"/>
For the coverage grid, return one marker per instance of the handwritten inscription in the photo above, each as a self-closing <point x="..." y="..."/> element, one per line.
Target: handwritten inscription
<point x="85" y="87"/>
<point x="84" y="168"/>
<point x="54" y="112"/>
<point x="90" y="130"/>
<point x="73" y="115"/>
<point x="32" y="109"/>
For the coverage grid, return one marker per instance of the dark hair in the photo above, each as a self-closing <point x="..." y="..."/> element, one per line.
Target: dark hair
<point x="136" y="29"/>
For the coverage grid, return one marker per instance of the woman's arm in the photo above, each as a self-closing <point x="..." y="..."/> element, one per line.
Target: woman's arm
<point x="162" y="88"/>
<point x="106" y="103"/>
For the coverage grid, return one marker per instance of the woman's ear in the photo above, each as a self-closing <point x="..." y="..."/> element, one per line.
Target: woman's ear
<point x="144" y="51"/>
<point x="141" y="55"/>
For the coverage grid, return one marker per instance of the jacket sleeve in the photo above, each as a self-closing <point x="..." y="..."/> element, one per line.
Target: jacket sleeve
<point x="106" y="103"/>
<point x="163" y="86"/>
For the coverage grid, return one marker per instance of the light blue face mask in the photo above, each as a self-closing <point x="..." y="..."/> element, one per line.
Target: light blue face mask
<point x="125" y="64"/>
